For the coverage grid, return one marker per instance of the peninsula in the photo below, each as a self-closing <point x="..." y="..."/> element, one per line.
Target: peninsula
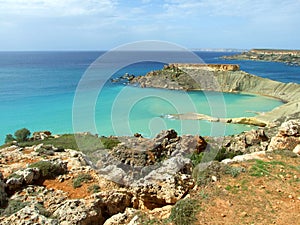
<point x="226" y="78"/>
<point x="291" y="57"/>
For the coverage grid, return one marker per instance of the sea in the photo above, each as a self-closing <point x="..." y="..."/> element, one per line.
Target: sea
<point x="41" y="91"/>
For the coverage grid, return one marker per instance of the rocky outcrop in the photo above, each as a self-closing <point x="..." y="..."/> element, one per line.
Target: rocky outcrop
<point x="288" y="137"/>
<point x="209" y="67"/>
<point x="138" y="174"/>
<point x="291" y="57"/>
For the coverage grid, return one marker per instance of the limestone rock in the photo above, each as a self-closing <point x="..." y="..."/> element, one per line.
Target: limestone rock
<point x="164" y="185"/>
<point x="3" y="195"/>
<point x="288" y="136"/>
<point x="297" y="149"/>
<point x="114" y="202"/>
<point x="121" y="218"/>
<point x="27" y="216"/>
<point x="283" y="143"/>
<point x="247" y="142"/>
<point x="79" y="211"/>
<point x="290" y="128"/>
<point x="245" y="157"/>
<point x="41" y="135"/>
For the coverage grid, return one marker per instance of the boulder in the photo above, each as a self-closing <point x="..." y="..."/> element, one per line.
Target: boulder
<point x="288" y="136"/>
<point x="164" y="185"/>
<point x="41" y="135"/>
<point x="290" y="128"/>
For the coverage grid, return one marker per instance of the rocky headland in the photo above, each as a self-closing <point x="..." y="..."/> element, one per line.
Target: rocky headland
<point x="139" y="180"/>
<point x="226" y="78"/>
<point x="291" y="57"/>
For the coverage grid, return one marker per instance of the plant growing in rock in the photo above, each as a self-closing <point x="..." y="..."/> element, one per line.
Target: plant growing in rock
<point x="13" y="207"/>
<point x="48" y="169"/>
<point x="94" y="188"/>
<point x="81" y="178"/>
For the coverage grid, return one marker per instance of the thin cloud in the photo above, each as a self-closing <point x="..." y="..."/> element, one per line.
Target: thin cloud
<point x="56" y="8"/>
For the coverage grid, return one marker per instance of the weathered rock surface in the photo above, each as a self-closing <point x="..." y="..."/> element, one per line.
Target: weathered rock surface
<point x="3" y="195"/>
<point x="288" y="136"/>
<point x="27" y="216"/>
<point x="247" y="142"/>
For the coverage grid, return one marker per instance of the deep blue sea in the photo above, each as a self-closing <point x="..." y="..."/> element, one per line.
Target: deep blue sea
<point x="37" y="91"/>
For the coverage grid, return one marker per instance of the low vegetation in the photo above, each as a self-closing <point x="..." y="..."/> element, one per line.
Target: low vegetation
<point x="87" y="143"/>
<point x="94" y="188"/>
<point x="20" y="136"/>
<point x="13" y="207"/>
<point x="81" y="178"/>
<point x="48" y="169"/>
<point x="184" y="212"/>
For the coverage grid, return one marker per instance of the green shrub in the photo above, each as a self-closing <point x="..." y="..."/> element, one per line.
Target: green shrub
<point x="48" y="169"/>
<point x="94" y="188"/>
<point x="22" y="135"/>
<point x="9" y="138"/>
<point x="81" y="178"/>
<point x="234" y="171"/>
<point x="42" y="210"/>
<point x="196" y="158"/>
<point x="109" y="143"/>
<point x="13" y="207"/>
<point x="184" y="212"/>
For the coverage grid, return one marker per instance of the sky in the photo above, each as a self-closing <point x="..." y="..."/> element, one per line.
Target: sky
<point x="106" y="24"/>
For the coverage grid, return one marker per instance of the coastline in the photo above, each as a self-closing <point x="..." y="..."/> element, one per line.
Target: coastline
<point x="290" y="57"/>
<point x="226" y="78"/>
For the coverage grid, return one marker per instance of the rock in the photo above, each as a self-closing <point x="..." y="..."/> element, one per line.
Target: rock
<point x="164" y="185"/>
<point x="288" y="136"/>
<point x="3" y="195"/>
<point x="114" y="202"/>
<point x="29" y="175"/>
<point x="114" y="173"/>
<point x="121" y="218"/>
<point x="246" y="142"/>
<point x="290" y="128"/>
<point x="245" y="157"/>
<point x="27" y="216"/>
<point x="14" y="183"/>
<point x="297" y="149"/>
<point x="79" y="211"/>
<point x="41" y="135"/>
<point x="283" y="143"/>
<point x="134" y="221"/>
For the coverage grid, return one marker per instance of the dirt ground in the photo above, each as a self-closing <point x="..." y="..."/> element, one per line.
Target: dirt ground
<point x="267" y="193"/>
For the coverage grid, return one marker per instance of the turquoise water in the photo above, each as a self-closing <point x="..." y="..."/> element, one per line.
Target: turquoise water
<point x="144" y="111"/>
<point x="37" y="91"/>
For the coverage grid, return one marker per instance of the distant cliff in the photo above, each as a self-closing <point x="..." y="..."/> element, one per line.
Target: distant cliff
<point x="291" y="57"/>
<point x="218" y="78"/>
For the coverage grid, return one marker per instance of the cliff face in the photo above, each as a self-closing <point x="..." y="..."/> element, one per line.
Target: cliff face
<point x="285" y="56"/>
<point x="212" y="78"/>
